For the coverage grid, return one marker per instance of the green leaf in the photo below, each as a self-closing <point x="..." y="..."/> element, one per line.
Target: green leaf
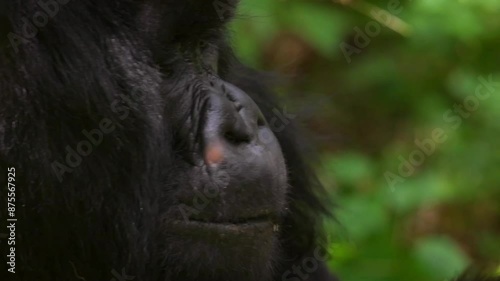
<point x="320" y="25"/>
<point x="441" y="257"/>
<point x="350" y="168"/>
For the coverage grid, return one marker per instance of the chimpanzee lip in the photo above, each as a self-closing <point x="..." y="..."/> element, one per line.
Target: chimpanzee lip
<point x="225" y="232"/>
<point x="238" y="221"/>
<point x="216" y="229"/>
<point x="253" y="217"/>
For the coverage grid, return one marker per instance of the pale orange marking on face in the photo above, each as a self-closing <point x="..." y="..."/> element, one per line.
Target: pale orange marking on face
<point x="214" y="153"/>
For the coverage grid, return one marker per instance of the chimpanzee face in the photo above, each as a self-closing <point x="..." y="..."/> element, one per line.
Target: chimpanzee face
<point x="142" y="143"/>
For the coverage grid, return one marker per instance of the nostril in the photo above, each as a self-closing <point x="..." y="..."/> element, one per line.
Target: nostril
<point x="235" y="137"/>
<point x="237" y="116"/>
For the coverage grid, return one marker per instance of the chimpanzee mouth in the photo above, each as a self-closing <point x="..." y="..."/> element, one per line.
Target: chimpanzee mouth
<point x="217" y="229"/>
<point x="230" y="226"/>
<point x="237" y="221"/>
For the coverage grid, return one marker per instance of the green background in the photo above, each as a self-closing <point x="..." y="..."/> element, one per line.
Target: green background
<point x="375" y="91"/>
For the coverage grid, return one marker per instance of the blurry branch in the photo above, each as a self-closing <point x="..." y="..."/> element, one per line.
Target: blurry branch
<point x="369" y="10"/>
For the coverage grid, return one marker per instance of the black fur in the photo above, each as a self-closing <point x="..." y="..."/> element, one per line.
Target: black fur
<point x="125" y="65"/>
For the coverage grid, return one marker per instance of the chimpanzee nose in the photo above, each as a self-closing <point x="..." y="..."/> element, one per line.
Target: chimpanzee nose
<point x="241" y="155"/>
<point x="233" y="116"/>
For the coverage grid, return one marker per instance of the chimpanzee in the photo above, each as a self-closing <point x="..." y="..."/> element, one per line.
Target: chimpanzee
<point x="135" y="146"/>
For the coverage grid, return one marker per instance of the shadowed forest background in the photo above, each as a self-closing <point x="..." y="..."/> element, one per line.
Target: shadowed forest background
<point x="404" y="112"/>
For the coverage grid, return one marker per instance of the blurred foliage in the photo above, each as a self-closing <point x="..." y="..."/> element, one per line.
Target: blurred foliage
<point x="413" y="203"/>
